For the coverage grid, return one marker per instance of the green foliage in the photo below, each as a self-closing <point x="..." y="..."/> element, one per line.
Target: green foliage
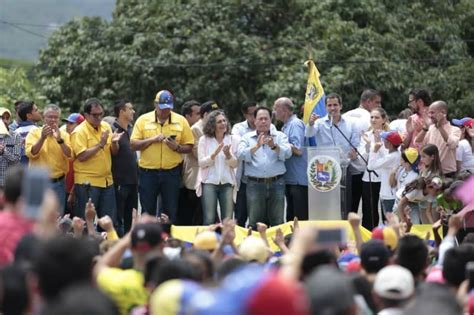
<point x="14" y="85"/>
<point x="231" y="51"/>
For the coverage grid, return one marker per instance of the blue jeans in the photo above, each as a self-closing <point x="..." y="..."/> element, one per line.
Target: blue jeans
<point x="102" y="198"/>
<point x="210" y="195"/>
<point x="266" y="202"/>
<point x="415" y="212"/>
<point x="59" y="188"/>
<point x="164" y="183"/>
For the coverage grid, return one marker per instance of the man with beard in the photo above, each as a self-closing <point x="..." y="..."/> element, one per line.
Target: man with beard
<point x="438" y="131"/>
<point x="418" y="101"/>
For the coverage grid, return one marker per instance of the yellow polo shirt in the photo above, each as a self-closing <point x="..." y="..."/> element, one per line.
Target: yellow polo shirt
<point x="50" y="155"/>
<point x="158" y="155"/>
<point x="97" y="170"/>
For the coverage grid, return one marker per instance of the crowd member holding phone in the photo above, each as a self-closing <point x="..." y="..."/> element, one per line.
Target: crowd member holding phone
<point x="50" y="147"/>
<point x="438" y="131"/>
<point x="264" y="153"/>
<point x="161" y="136"/>
<point x="93" y="144"/>
<point x="217" y="162"/>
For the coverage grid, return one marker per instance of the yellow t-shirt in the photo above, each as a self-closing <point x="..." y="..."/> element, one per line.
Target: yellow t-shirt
<point x="158" y="155"/>
<point x="125" y="287"/>
<point x="97" y="170"/>
<point x="50" y="155"/>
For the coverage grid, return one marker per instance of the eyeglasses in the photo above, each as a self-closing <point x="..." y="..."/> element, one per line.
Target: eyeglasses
<point x="410" y="101"/>
<point x="97" y="115"/>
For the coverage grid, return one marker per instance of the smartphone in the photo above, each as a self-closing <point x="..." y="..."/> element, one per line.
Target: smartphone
<point x="35" y="183"/>
<point x="470" y="274"/>
<point x="331" y="236"/>
<point x="172" y="137"/>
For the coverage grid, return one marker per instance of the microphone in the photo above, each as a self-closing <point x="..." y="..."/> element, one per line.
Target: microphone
<point x="331" y="123"/>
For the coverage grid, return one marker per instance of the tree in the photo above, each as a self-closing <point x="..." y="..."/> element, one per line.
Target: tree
<point x="230" y="52"/>
<point x="15" y="85"/>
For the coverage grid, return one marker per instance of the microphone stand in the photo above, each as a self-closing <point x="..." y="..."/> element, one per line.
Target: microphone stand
<point x="364" y="160"/>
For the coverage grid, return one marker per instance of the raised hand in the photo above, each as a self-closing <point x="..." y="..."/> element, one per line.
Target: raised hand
<point x="90" y="211"/>
<point x="217" y="150"/>
<point x="270" y="141"/>
<point x="78" y="226"/>
<point x="279" y="238"/>
<point x="116" y="136"/>
<point x="354" y="219"/>
<point x="47" y="131"/>
<point x="313" y="118"/>
<point x="226" y="150"/>
<point x="106" y="223"/>
<point x="228" y="232"/>
<point x="261" y="139"/>
<point x="55" y="133"/>
<point x="103" y="138"/>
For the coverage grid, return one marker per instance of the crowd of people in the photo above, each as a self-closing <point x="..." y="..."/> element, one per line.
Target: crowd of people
<point x="89" y="251"/>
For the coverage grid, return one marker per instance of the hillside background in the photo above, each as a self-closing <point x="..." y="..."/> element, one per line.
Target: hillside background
<point x="26" y="24"/>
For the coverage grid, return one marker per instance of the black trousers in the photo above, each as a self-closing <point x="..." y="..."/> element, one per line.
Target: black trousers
<point x="189" y="208"/>
<point x="355" y="192"/>
<point x="296" y="202"/>
<point x="126" y="198"/>
<point x="241" y="212"/>
<point x="370" y="205"/>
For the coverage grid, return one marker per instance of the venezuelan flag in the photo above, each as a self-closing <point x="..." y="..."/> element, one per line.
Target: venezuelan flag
<point x="315" y="98"/>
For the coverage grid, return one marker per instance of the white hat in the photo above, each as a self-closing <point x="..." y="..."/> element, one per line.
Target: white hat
<point x="253" y="249"/>
<point x="394" y="282"/>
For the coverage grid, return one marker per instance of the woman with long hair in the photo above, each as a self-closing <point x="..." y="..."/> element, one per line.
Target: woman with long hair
<point x="464" y="151"/>
<point x="430" y="161"/>
<point x="217" y="151"/>
<point x="370" y="182"/>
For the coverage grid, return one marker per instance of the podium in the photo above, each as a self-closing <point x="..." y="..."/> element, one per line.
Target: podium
<point x="326" y="183"/>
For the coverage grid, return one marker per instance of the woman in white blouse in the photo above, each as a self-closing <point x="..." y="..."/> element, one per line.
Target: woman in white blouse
<point x="217" y="163"/>
<point x="464" y="151"/>
<point x="371" y="182"/>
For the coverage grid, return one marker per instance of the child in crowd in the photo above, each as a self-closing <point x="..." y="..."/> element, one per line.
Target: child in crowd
<point x="384" y="161"/>
<point x="430" y="161"/>
<point x="406" y="173"/>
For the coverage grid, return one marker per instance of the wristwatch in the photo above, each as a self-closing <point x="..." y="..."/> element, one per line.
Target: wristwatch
<point x="60" y="141"/>
<point x="274" y="147"/>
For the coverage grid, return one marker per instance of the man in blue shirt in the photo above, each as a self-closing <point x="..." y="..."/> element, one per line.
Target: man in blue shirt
<point x="295" y="177"/>
<point x="327" y="135"/>
<point x="264" y="153"/>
